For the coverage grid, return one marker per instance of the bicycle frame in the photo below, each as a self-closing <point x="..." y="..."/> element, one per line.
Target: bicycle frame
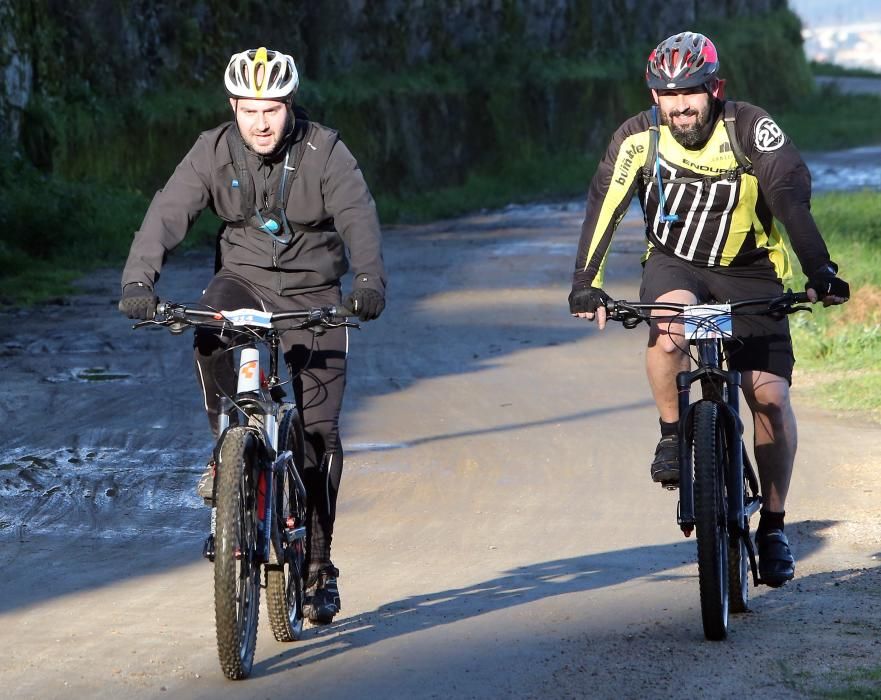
<point x="261" y="400"/>
<point x="255" y="423"/>
<point x="722" y="387"/>
<point x="258" y="398"/>
<point x="741" y="505"/>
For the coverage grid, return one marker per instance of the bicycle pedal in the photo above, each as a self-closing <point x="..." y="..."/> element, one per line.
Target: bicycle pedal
<point x="208" y="548"/>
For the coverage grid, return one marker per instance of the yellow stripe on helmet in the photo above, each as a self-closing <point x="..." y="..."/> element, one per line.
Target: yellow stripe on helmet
<point x="260" y="61"/>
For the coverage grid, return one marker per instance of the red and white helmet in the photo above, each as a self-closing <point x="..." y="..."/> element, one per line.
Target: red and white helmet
<point x="683" y="60"/>
<point x="261" y="74"/>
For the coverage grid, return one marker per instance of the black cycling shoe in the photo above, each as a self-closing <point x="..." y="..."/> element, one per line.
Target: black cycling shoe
<point x="322" y="601"/>
<point x="776" y="563"/>
<point x="205" y="487"/>
<point x="665" y="466"/>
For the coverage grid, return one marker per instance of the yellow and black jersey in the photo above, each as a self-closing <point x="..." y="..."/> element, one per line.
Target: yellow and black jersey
<point x="725" y="213"/>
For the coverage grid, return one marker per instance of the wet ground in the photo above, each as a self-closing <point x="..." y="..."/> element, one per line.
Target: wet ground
<point x="848" y="170"/>
<point x="498" y="534"/>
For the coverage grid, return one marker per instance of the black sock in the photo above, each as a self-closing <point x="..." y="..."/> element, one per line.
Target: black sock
<point x="669" y="428"/>
<point x="769" y="520"/>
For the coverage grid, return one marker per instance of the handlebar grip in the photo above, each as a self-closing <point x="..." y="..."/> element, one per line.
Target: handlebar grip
<point x="341" y="310"/>
<point x="800" y="298"/>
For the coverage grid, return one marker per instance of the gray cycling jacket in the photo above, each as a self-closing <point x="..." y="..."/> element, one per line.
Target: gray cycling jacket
<point x="329" y="207"/>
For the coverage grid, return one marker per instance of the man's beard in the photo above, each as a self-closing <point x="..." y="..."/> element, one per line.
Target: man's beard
<point x="689" y="136"/>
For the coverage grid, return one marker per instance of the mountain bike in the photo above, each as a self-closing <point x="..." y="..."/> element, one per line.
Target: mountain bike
<point x="718" y="487"/>
<point x="259" y="514"/>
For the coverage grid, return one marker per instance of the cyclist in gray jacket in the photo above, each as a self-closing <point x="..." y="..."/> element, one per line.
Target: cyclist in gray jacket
<point x="297" y="214"/>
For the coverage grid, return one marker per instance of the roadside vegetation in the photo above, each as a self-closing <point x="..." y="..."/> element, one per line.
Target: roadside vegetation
<point x="822" y="68"/>
<point x="838" y="349"/>
<point x="55" y="230"/>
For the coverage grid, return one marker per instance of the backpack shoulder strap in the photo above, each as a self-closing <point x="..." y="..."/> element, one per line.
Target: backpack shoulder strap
<point x="246" y="185"/>
<point x="648" y="169"/>
<point x="742" y="161"/>
<point x="303" y="132"/>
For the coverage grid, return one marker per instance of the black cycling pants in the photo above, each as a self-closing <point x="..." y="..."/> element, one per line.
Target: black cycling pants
<point x="317" y="365"/>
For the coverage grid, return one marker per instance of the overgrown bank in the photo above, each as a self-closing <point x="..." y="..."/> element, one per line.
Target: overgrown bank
<point x="838" y="349"/>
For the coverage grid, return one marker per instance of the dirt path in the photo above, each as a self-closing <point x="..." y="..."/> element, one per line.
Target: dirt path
<point x="498" y="534"/>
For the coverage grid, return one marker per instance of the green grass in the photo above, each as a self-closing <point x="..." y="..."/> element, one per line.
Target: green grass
<point x="847" y="121"/>
<point x="838" y="348"/>
<point x="56" y="231"/>
<point x="862" y="684"/>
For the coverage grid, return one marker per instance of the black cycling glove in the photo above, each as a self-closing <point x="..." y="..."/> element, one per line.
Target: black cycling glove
<point x="366" y="303"/>
<point x="138" y="302"/>
<point x="584" y="298"/>
<point x="825" y="282"/>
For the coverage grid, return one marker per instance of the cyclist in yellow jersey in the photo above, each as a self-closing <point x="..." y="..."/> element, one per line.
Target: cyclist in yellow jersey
<point x="711" y="175"/>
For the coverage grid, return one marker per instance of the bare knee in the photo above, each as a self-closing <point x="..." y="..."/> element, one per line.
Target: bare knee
<point x="768" y="397"/>
<point x="667" y="334"/>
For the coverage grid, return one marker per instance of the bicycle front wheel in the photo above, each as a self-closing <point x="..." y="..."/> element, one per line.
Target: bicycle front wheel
<point x="711" y="519"/>
<point x="236" y="560"/>
<point x="285" y="584"/>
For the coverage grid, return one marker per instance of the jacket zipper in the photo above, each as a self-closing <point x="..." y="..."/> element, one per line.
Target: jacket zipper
<point x="275" y="264"/>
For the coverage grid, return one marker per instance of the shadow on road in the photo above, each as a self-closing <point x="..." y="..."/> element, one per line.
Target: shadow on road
<point x="516" y="587"/>
<point x="509" y="427"/>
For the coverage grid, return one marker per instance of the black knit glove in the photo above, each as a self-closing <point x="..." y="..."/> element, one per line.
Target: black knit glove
<point x="366" y="303"/>
<point x="138" y="302"/>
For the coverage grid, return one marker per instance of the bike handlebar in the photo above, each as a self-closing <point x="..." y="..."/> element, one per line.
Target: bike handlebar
<point x="177" y="316"/>
<point x="632" y="314"/>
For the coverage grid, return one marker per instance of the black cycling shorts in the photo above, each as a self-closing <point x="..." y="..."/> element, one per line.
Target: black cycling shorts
<point x="761" y="342"/>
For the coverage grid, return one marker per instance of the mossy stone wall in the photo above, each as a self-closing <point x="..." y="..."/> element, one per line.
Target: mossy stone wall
<point x="423" y="92"/>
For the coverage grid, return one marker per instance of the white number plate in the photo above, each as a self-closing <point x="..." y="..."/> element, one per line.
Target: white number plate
<point x="707" y="321"/>
<point x="248" y="317"/>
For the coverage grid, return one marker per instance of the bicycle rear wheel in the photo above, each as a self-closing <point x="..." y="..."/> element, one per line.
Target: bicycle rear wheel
<point x="738" y="576"/>
<point x="285" y="575"/>
<point x="738" y="570"/>
<point x="711" y="520"/>
<point x="236" y="561"/>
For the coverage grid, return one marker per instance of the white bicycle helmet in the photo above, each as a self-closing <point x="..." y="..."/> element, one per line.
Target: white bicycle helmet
<point x="261" y="74"/>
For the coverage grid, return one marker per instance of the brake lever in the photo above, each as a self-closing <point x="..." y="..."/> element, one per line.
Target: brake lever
<point x="149" y="322"/>
<point x="784" y="306"/>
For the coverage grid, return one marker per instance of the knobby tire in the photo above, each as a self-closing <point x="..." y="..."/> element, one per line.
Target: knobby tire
<point x="236" y="561"/>
<point x="710" y="520"/>
<point x="738" y="572"/>
<point x="285" y="585"/>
